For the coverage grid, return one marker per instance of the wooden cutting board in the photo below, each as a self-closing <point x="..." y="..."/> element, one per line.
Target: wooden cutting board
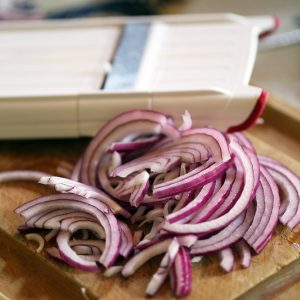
<point x="26" y="275"/>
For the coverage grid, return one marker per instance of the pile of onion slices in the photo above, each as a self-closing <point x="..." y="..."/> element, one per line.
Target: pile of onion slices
<point x="144" y="187"/>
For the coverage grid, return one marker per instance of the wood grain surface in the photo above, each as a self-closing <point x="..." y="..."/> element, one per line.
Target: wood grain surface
<point x="26" y="275"/>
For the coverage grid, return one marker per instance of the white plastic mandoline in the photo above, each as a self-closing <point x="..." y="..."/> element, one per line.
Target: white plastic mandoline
<point x="51" y="73"/>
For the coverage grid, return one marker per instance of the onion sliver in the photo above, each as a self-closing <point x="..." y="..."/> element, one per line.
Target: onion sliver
<point x="226" y="259"/>
<point x="244" y="253"/>
<point x="26" y="175"/>
<point x="194" y="205"/>
<point x="92" y="206"/>
<point x="181" y="273"/>
<point x="294" y="180"/>
<point x="158" y="248"/>
<point x="272" y="222"/>
<point x="36" y="238"/>
<point x="235" y="211"/>
<point x="70" y="256"/>
<point x="227" y="236"/>
<point x="70" y="186"/>
<point x="234" y="193"/>
<point x="126" y="239"/>
<point x="111" y="271"/>
<point x="218" y="198"/>
<point x="138" y="122"/>
<point x="134" y="145"/>
<point x="161" y="274"/>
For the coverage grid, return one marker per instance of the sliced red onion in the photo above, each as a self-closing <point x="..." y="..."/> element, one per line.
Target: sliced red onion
<point x="134" y="145"/>
<point x="152" y="201"/>
<point x="52" y="219"/>
<point x="227" y="236"/>
<point x="272" y="222"/>
<point x="51" y="235"/>
<point x="263" y="244"/>
<point x="256" y="228"/>
<point x="83" y="250"/>
<point x="73" y="225"/>
<point x="295" y="182"/>
<point x="69" y="186"/>
<point x="96" y="245"/>
<point x="163" y="160"/>
<point x="267" y="218"/>
<point x="218" y="146"/>
<point x="244" y="253"/>
<point x="235" y="211"/>
<point x="226" y="259"/>
<point x="234" y="193"/>
<point x="158" y="248"/>
<point x="152" y="238"/>
<point x="54" y="252"/>
<point x="21" y="175"/>
<point x="161" y="274"/>
<point x="255" y="167"/>
<point x="126" y="240"/>
<point x="243" y="140"/>
<point x="217" y="200"/>
<point x="195" y="186"/>
<point x="139" y="259"/>
<point x="70" y="256"/>
<point x="111" y="271"/>
<point x="191" y="180"/>
<point x="92" y="206"/>
<point x="116" y="160"/>
<point x="289" y="196"/>
<point x="186" y="121"/>
<point x="181" y="273"/>
<point x="218" y="183"/>
<point x="137" y="122"/>
<point x="38" y="239"/>
<point x="197" y="259"/>
<point x="184" y="199"/>
<point x="199" y="176"/>
<point x="137" y="187"/>
<point x="106" y="183"/>
<point x="188" y="211"/>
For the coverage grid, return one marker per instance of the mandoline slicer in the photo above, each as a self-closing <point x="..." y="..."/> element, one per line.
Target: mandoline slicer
<point x="67" y="78"/>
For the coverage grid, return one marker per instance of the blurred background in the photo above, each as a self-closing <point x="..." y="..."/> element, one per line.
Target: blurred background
<point x="277" y="66"/>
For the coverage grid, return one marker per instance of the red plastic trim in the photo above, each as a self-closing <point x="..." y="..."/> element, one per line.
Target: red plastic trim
<point x="256" y="112"/>
<point x="277" y="23"/>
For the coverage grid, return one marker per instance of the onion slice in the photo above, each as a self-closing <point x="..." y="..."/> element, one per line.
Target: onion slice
<point x="21" y="175"/>
<point x="226" y="259"/>
<point x="36" y="238"/>
<point x="181" y="273"/>
<point x="237" y="209"/>
<point x="161" y="274"/>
